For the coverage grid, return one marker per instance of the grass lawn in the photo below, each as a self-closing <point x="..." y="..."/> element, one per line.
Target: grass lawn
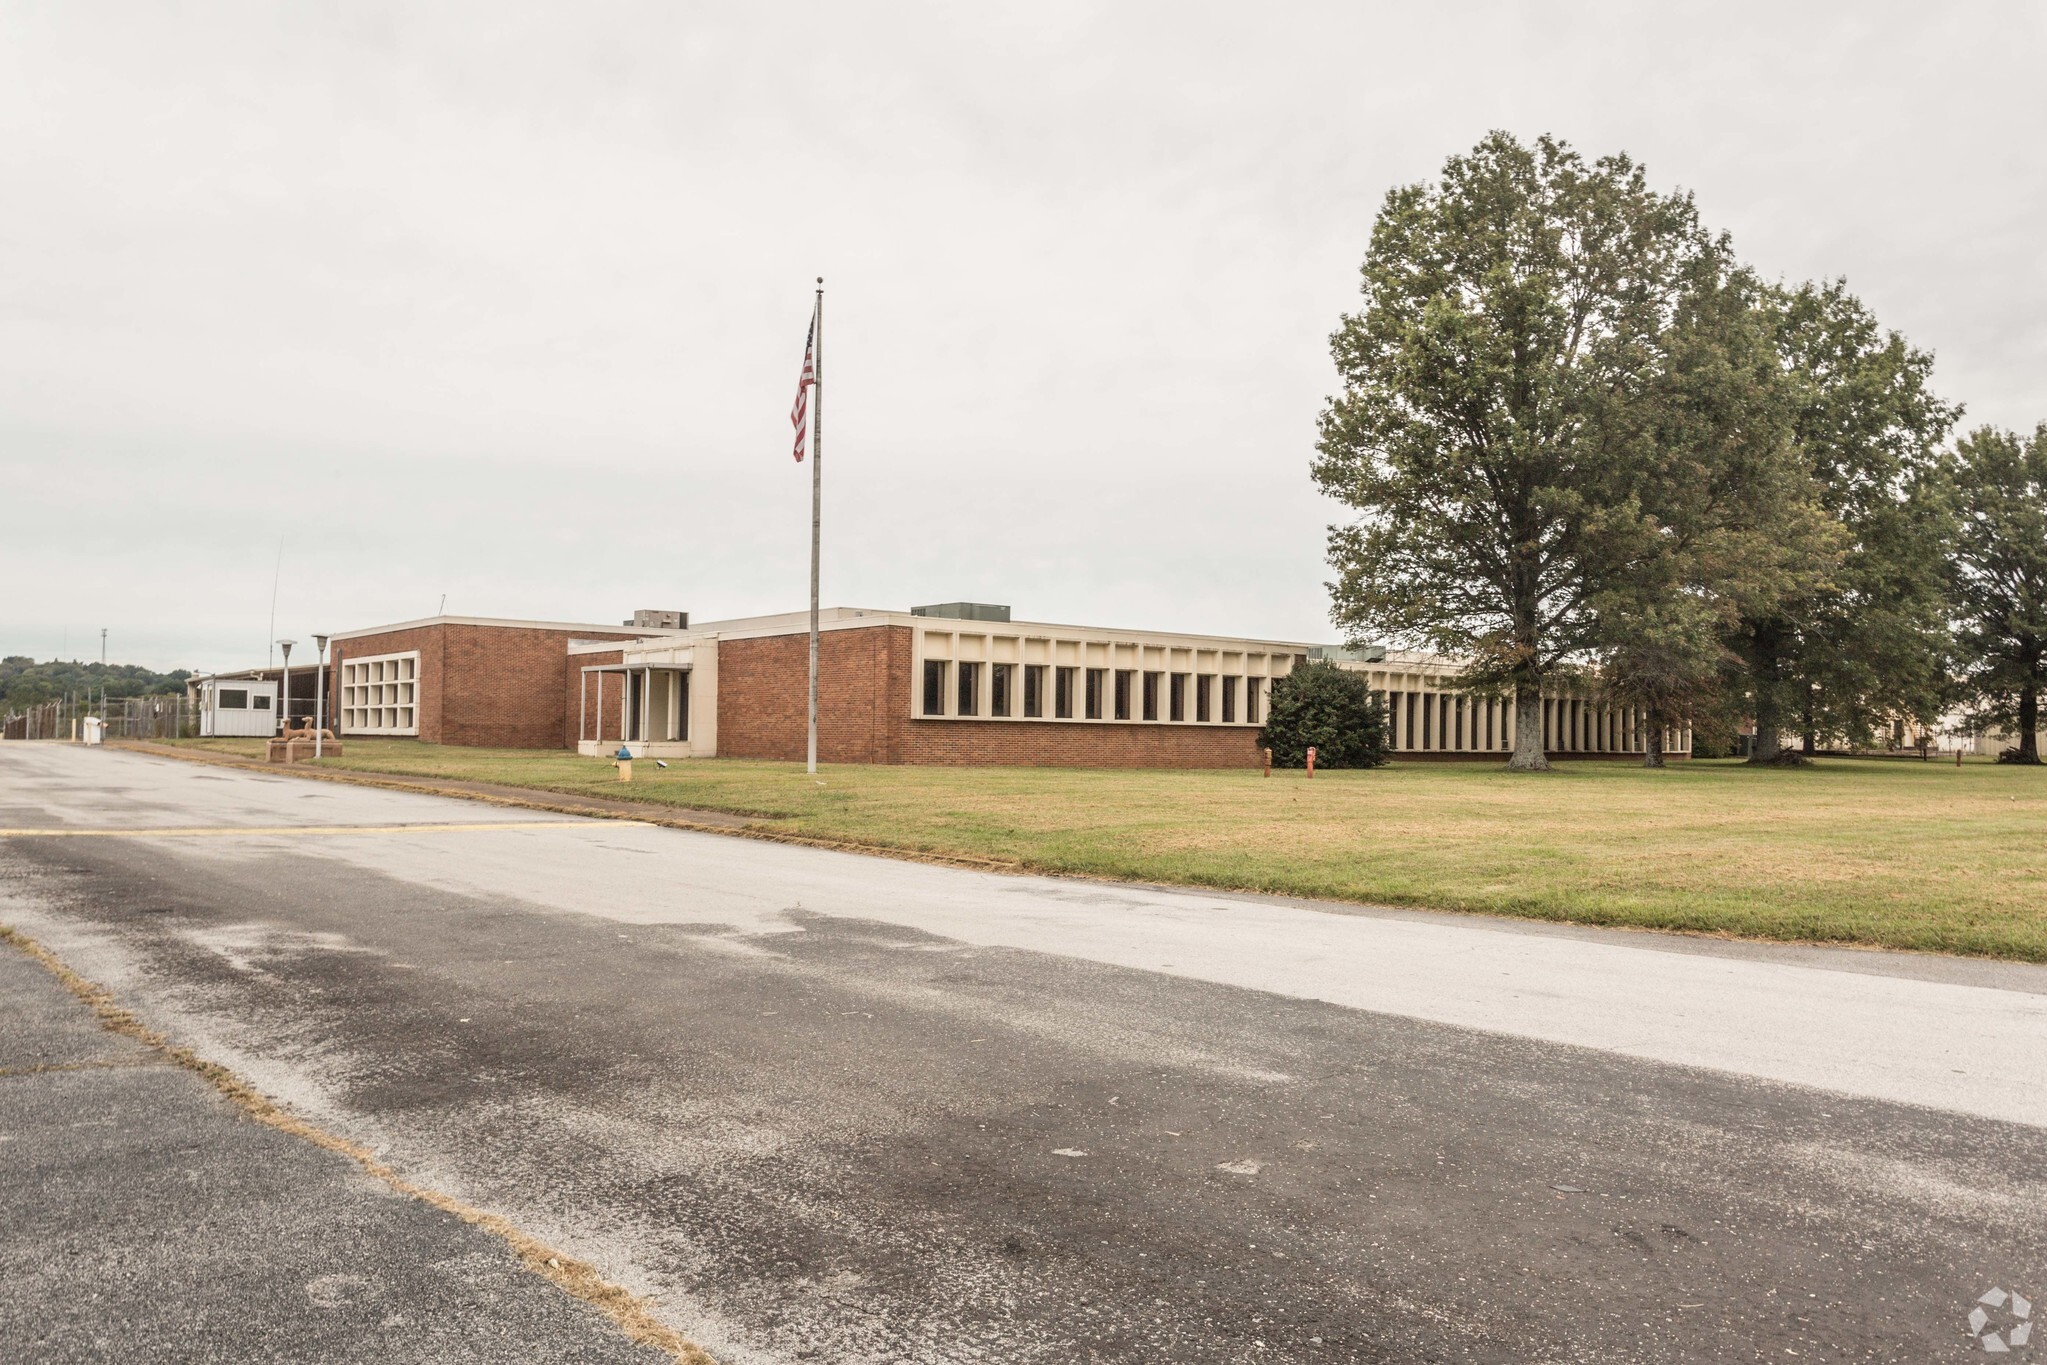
<point x="1896" y="854"/>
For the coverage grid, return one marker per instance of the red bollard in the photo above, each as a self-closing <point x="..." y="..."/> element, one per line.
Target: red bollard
<point x="1268" y="762"/>
<point x="1311" y="760"/>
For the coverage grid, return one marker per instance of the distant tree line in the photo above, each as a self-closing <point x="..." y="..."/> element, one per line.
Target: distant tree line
<point x="1583" y="439"/>
<point x="24" y="682"/>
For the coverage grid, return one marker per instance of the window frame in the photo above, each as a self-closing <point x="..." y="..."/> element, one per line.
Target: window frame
<point x="967" y="687"/>
<point x="1001" y="690"/>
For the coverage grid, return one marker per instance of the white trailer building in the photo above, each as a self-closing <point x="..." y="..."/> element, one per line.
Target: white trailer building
<point x="235" y="704"/>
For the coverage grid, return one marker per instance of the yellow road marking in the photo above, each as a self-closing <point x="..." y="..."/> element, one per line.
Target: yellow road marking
<point x="231" y="831"/>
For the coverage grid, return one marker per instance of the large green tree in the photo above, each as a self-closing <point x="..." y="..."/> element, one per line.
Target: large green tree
<point x="1867" y="641"/>
<point x="1997" y="576"/>
<point x="1541" y="340"/>
<point x="24" y="682"/>
<point x="1731" y="525"/>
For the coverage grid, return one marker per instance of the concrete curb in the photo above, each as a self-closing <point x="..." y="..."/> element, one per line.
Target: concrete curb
<point x="596" y="808"/>
<point x="754" y="827"/>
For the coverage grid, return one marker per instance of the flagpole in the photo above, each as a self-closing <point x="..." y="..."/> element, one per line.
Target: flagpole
<point x="816" y="503"/>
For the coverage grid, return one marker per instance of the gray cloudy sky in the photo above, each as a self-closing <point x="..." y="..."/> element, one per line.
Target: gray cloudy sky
<point x="506" y="301"/>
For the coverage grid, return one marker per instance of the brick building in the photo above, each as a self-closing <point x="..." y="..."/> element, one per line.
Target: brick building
<point x="934" y="685"/>
<point x="954" y="684"/>
<point x="467" y="680"/>
<point x="962" y="683"/>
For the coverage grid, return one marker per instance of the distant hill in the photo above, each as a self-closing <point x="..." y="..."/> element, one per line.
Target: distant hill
<point x="24" y="682"/>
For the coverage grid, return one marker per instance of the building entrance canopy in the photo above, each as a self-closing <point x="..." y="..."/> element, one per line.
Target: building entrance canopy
<point x="645" y="707"/>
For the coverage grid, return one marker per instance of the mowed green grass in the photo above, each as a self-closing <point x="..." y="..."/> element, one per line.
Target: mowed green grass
<point x="1883" y="853"/>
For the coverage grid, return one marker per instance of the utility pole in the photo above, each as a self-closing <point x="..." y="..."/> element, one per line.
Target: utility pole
<point x="320" y="692"/>
<point x="816" y="508"/>
<point x="284" y="691"/>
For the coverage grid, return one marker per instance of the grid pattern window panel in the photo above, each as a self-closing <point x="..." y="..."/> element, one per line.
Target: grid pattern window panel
<point x="989" y="676"/>
<point x="380" y="695"/>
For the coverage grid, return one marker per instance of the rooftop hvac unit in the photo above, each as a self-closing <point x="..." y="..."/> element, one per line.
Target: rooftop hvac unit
<point x="964" y="611"/>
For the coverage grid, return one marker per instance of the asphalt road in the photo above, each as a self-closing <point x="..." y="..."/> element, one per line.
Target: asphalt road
<point x="143" y="1218"/>
<point x="823" y="1107"/>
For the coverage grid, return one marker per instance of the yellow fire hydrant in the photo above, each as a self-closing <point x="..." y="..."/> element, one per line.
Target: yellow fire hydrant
<point x="625" y="764"/>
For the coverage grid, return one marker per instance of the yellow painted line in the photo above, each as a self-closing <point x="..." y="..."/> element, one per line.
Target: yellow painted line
<point x="233" y="831"/>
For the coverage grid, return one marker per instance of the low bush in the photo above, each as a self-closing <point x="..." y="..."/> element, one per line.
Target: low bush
<point x="1329" y="708"/>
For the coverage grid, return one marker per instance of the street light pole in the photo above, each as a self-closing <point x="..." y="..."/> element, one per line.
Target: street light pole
<point x="284" y="699"/>
<point x="320" y="694"/>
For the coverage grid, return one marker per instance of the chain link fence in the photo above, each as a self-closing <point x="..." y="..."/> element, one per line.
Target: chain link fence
<point x="161" y="717"/>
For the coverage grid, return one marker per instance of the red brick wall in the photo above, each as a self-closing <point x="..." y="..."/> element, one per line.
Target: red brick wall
<point x="581" y="701"/>
<point x="427" y="640"/>
<point x="764" y="694"/>
<point x="1081" y="744"/>
<point x="499" y="687"/>
<point x="864" y="715"/>
<point x="507" y="685"/>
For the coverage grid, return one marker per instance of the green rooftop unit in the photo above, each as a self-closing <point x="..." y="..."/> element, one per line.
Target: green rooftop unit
<point x="964" y="611"/>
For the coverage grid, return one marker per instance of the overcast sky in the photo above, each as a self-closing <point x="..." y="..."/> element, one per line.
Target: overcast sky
<point x="506" y="302"/>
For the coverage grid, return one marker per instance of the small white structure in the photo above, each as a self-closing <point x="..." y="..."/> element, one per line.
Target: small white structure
<point x="236" y="706"/>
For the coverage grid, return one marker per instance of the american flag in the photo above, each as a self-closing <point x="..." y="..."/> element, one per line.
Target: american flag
<point x="803" y="383"/>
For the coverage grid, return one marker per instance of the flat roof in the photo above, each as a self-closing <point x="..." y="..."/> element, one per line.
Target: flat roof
<point x="854" y="618"/>
<point x="505" y="623"/>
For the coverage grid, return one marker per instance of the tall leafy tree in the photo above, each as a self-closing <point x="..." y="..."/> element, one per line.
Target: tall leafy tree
<point x="1867" y="641"/>
<point x="24" y="682"/>
<point x="1997" y="575"/>
<point x="1731" y="524"/>
<point x="1508" y="385"/>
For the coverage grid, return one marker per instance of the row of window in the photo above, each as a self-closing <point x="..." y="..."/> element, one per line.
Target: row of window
<point x="380" y="693"/>
<point x="1443" y="720"/>
<point x="238" y="699"/>
<point x="1099" y="693"/>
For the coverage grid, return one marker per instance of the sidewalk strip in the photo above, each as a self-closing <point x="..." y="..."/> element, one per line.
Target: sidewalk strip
<point x="230" y="831"/>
